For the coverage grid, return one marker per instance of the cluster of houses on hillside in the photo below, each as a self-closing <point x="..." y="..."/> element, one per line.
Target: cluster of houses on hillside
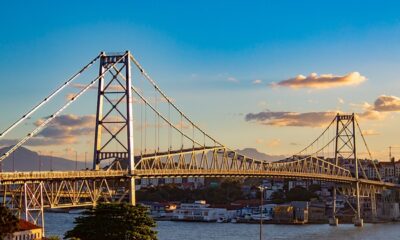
<point x="317" y="210"/>
<point x="388" y="171"/>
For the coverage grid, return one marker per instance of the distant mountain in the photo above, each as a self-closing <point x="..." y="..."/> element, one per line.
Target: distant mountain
<point x="254" y="153"/>
<point x="24" y="159"/>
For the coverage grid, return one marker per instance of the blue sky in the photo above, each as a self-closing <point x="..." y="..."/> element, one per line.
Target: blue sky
<point x="207" y="54"/>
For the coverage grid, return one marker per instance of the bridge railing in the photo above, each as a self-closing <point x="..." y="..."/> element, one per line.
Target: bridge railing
<point x="48" y="175"/>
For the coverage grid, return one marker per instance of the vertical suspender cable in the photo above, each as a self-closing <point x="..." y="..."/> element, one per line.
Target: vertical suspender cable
<point x="155" y="121"/>
<point x="145" y="128"/>
<point x="165" y="96"/>
<point x="181" y="131"/>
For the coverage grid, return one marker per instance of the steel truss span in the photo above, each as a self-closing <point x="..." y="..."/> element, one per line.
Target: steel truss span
<point x="198" y="154"/>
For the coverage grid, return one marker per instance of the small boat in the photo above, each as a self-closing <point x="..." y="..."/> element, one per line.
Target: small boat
<point x="234" y="220"/>
<point x="264" y="217"/>
<point x="222" y="220"/>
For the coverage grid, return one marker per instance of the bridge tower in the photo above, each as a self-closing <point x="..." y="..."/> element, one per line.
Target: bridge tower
<point x="345" y="150"/>
<point x="114" y="116"/>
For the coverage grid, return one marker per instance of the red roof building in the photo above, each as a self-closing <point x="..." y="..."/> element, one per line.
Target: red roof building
<point x="26" y="231"/>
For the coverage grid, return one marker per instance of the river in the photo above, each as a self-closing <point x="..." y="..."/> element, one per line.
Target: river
<point x="58" y="223"/>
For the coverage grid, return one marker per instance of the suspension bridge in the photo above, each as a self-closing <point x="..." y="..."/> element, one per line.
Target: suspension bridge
<point x="141" y="133"/>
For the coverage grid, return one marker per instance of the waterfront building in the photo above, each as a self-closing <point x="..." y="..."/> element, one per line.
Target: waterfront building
<point x="283" y="214"/>
<point x="26" y="231"/>
<point x="300" y="211"/>
<point x="198" y="211"/>
<point x="317" y="212"/>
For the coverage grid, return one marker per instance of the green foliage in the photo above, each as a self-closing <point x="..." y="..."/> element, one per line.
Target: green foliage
<point x="114" y="222"/>
<point x="299" y="194"/>
<point x="8" y="222"/>
<point x="56" y="238"/>
<point x="227" y="191"/>
<point x="314" y="187"/>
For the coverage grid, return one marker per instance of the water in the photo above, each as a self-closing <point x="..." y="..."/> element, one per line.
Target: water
<point x="58" y="223"/>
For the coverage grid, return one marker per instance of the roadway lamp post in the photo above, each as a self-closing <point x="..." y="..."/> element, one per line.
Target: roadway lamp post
<point x="40" y="161"/>
<point x="13" y="163"/>
<point x="85" y="160"/>
<point x="51" y="160"/>
<point x="262" y="188"/>
<point x="76" y="160"/>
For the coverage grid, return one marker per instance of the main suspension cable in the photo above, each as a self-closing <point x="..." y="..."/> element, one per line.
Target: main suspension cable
<point x="369" y="152"/>
<point x="48" y="98"/>
<point x="167" y="98"/>
<point x="54" y="115"/>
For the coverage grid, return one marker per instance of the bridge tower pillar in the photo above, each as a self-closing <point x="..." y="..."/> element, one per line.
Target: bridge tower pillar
<point x="345" y="150"/>
<point x="114" y="116"/>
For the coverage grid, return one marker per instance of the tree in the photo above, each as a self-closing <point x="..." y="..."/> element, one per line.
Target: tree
<point x="53" y="238"/>
<point x="299" y="193"/>
<point x="114" y="221"/>
<point x="278" y="197"/>
<point x="8" y="222"/>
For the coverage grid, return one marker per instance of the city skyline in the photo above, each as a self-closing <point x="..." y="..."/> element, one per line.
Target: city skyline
<point x="265" y="76"/>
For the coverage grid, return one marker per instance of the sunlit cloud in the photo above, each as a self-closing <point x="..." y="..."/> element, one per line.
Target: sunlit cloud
<point x="41" y="141"/>
<point x="280" y="119"/>
<point x="274" y="143"/>
<point x="262" y="103"/>
<point x="112" y="87"/>
<point x="381" y="108"/>
<point x="386" y="103"/>
<point x="322" y="81"/>
<point x="64" y="129"/>
<point x="257" y="81"/>
<point x="370" y="132"/>
<point x="232" y="79"/>
<point x="69" y="96"/>
<point x="371" y="115"/>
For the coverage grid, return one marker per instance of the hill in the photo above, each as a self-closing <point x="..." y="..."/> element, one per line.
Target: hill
<point x="24" y="159"/>
<point x="254" y="153"/>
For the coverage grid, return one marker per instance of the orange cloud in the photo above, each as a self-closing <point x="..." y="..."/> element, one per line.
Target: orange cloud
<point x="112" y="87"/>
<point x="274" y="143"/>
<point x="322" y="81"/>
<point x="280" y="119"/>
<point x="370" y="132"/>
<point x="386" y="103"/>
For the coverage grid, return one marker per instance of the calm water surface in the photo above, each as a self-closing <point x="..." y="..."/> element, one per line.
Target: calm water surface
<point x="58" y="223"/>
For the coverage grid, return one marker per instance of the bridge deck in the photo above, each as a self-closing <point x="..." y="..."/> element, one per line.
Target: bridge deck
<point x="22" y="177"/>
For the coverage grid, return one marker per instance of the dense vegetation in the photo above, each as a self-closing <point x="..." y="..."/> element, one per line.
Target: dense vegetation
<point x="227" y="191"/>
<point x="8" y="222"/>
<point x="114" y="222"/>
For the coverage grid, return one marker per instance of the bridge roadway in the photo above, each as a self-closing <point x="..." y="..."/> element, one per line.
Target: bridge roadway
<point x="7" y="178"/>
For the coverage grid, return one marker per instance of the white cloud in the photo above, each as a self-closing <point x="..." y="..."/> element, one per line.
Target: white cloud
<point x="322" y="81"/>
<point x="232" y="79"/>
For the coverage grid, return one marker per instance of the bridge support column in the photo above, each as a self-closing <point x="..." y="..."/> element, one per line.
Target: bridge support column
<point x="33" y="203"/>
<point x="358" y="221"/>
<point x="334" y="221"/>
<point x="132" y="191"/>
<point x="374" y="213"/>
